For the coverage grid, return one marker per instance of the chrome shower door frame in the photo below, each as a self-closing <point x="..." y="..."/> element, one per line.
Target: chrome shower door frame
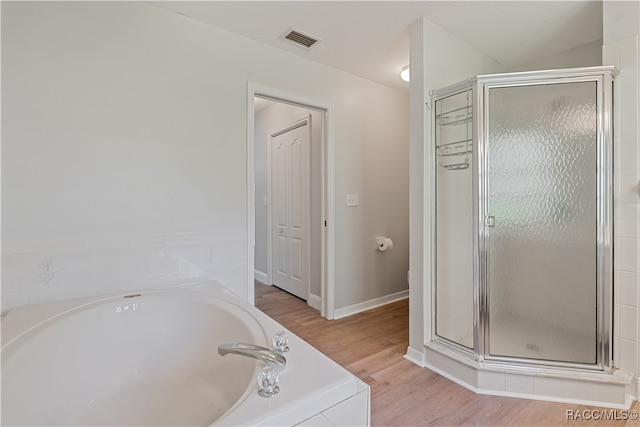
<point x="603" y="77"/>
<point x="469" y="86"/>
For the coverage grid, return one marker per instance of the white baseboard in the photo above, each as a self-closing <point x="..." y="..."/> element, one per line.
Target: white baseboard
<point x="415" y="356"/>
<point x="314" y="301"/>
<point x="261" y="277"/>
<point x="368" y="305"/>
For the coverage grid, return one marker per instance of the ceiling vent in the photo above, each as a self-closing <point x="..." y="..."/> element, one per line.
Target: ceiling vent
<point x="301" y="38"/>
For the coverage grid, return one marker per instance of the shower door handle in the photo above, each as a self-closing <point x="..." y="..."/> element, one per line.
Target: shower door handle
<point x="490" y="221"/>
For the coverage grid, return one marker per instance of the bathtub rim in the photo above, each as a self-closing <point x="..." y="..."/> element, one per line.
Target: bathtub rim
<point x="21" y="320"/>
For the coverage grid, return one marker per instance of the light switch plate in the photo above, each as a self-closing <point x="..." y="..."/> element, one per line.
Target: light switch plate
<point x="352" y="200"/>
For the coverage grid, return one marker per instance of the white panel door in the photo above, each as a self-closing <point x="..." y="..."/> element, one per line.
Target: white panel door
<point x="290" y="210"/>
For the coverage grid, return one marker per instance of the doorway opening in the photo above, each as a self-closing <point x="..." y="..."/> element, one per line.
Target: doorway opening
<point x="290" y="232"/>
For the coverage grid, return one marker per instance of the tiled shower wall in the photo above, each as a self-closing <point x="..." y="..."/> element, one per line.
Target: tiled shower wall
<point x="624" y="55"/>
<point x="51" y="270"/>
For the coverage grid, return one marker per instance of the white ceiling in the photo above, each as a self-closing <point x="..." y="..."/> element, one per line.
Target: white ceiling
<point x="370" y="38"/>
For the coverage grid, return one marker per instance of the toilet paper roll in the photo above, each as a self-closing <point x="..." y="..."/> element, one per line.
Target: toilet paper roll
<point x="384" y="243"/>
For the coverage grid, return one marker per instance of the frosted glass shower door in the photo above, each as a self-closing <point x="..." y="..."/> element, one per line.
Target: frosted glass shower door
<point x="454" y="218"/>
<point x="541" y="221"/>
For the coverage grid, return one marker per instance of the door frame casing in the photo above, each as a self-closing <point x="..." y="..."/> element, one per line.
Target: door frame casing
<point x="327" y="285"/>
<point x="302" y="121"/>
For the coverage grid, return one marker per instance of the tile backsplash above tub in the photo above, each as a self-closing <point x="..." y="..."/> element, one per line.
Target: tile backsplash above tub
<point x="41" y="271"/>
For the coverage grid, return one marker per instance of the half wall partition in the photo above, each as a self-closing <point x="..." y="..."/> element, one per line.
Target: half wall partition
<point x="523" y="220"/>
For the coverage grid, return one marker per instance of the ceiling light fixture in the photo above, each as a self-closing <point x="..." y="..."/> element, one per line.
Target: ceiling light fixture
<point x="404" y="74"/>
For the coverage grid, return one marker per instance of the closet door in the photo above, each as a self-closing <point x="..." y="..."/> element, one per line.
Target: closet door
<point x="290" y="204"/>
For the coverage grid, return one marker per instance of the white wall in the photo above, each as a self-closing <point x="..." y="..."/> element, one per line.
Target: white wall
<point x="267" y="121"/>
<point x="124" y="155"/>
<point x="587" y="55"/>
<point x="621" y="47"/>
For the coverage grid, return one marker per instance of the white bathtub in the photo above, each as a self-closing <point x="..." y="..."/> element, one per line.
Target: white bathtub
<point x="152" y="359"/>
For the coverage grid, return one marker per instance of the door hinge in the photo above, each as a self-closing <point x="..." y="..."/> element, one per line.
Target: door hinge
<point x="325" y="222"/>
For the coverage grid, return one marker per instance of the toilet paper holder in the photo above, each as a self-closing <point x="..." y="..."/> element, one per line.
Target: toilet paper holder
<point x="383" y="243"/>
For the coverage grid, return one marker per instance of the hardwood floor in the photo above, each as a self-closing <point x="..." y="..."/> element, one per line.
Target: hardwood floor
<point x="372" y="344"/>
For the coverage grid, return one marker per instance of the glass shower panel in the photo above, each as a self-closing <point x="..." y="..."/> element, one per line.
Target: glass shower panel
<point x="454" y="218"/>
<point x="542" y="221"/>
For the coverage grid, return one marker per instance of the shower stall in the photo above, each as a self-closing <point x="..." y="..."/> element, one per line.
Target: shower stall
<point x="523" y="180"/>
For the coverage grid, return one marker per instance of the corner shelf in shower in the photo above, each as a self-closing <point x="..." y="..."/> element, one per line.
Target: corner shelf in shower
<point x="454" y="155"/>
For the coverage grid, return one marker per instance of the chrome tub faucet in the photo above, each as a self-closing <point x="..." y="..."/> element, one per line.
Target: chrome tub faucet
<point x="270" y="357"/>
